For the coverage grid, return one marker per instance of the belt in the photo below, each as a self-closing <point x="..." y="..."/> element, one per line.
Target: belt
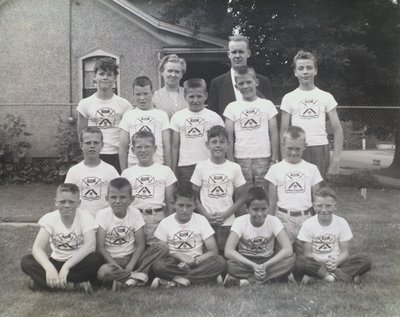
<point x="296" y="213"/>
<point x="150" y="210"/>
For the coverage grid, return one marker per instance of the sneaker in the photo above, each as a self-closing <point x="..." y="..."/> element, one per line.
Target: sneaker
<point x="305" y="280"/>
<point x="160" y="283"/>
<point x="84" y="286"/>
<point x="291" y="279"/>
<point x="220" y="281"/>
<point x="230" y="281"/>
<point x="329" y="278"/>
<point x="244" y="283"/>
<point x="341" y="276"/>
<point x="131" y="282"/>
<point x="181" y="281"/>
<point x="32" y="285"/>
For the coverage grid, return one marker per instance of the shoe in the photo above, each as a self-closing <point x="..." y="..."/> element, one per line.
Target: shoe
<point x="329" y="278"/>
<point x="341" y="276"/>
<point x="233" y="281"/>
<point x="291" y="279"/>
<point x="220" y="281"/>
<point x="160" y="283"/>
<point x="131" y="282"/>
<point x="84" y="286"/>
<point x="181" y="281"/>
<point x="305" y="280"/>
<point x="32" y="285"/>
<point x="244" y="283"/>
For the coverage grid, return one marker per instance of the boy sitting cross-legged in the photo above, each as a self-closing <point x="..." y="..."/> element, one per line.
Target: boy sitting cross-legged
<point x="71" y="235"/>
<point x="250" y="246"/>
<point x="120" y="239"/>
<point x="186" y="233"/>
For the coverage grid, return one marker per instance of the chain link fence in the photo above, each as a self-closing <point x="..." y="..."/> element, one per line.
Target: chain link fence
<point x="40" y="140"/>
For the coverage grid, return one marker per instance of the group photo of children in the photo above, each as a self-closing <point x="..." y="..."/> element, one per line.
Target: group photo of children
<point x="190" y="185"/>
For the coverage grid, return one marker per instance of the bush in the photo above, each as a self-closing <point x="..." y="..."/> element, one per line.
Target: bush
<point x="362" y="179"/>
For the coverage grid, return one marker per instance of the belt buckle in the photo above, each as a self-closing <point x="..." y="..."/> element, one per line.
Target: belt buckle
<point x="294" y="213"/>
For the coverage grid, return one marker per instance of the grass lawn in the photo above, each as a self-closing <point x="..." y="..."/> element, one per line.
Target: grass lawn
<point x="376" y="227"/>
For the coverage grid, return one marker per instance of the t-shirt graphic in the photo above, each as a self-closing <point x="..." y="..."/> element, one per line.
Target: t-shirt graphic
<point x="309" y="109"/>
<point x="145" y="124"/>
<point x="144" y="187"/>
<point x="323" y="244"/>
<point x="218" y="186"/>
<point x="250" y="119"/>
<point x="183" y="241"/>
<point x="119" y="235"/>
<point x="194" y="127"/>
<point x="295" y="182"/>
<point x="69" y="241"/>
<point x="91" y="188"/>
<point x="105" y="118"/>
<point x="256" y="245"/>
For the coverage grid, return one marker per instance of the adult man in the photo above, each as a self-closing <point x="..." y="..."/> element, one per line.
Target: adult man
<point x="222" y="89"/>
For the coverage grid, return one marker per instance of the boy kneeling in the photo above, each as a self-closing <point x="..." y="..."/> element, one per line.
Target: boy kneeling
<point x="186" y="234"/>
<point x="254" y="234"/>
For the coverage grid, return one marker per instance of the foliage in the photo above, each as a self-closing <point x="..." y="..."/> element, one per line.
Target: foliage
<point x="356" y="179"/>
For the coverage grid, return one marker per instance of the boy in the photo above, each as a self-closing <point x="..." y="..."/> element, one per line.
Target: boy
<point x="120" y="239"/>
<point x="186" y="233"/>
<point x="92" y="175"/>
<point x="326" y="247"/>
<point x="189" y="127"/>
<point x="255" y="259"/>
<point x="307" y="107"/>
<point x="152" y="183"/>
<point x="104" y="110"/>
<point x="251" y="125"/>
<point x="71" y="235"/>
<point x="292" y="183"/>
<point x="144" y="117"/>
<point x="217" y="180"/>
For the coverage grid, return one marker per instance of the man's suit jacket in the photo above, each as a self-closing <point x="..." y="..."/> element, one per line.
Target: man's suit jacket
<point x="221" y="91"/>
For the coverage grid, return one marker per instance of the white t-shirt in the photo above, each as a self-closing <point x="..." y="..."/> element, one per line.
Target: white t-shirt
<point x="294" y="183"/>
<point x="325" y="239"/>
<point x="256" y="241"/>
<point x="192" y="128"/>
<point x="250" y="120"/>
<point x="65" y="242"/>
<point x="106" y="115"/>
<point x="154" y="120"/>
<point x="308" y="110"/>
<point x="92" y="183"/>
<point x="217" y="183"/>
<point x="149" y="184"/>
<point x="186" y="238"/>
<point x="120" y="232"/>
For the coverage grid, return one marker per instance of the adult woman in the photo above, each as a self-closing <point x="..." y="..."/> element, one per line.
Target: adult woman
<point x="170" y="98"/>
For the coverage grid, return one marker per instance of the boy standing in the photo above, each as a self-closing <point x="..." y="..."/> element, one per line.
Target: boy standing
<point x="251" y="125"/>
<point x="292" y="183"/>
<point x="104" y="110"/>
<point x="152" y="183"/>
<point x="92" y="175"/>
<point x="144" y="117"/>
<point x="120" y="238"/>
<point x="255" y="259"/>
<point x="217" y="180"/>
<point x="186" y="233"/>
<point x="189" y="131"/>
<point x="326" y="240"/>
<point x="71" y="235"/>
<point x="307" y="107"/>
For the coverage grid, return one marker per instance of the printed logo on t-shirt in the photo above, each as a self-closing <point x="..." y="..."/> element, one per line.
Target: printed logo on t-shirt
<point x="309" y="109"/>
<point x="218" y="186"/>
<point x="120" y="235"/>
<point x="68" y="241"/>
<point x="295" y="182"/>
<point x="91" y="188"/>
<point x="144" y="187"/>
<point x="256" y="245"/>
<point x="194" y="127"/>
<point x="250" y="119"/>
<point x="324" y="243"/>
<point x="145" y="124"/>
<point x="183" y="241"/>
<point x="106" y="118"/>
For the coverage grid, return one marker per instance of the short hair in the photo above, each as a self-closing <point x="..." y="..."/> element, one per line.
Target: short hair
<point x="304" y="55"/>
<point x="245" y="70"/>
<point x="90" y="129"/>
<point x="68" y="188"/>
<point x="172" y="58"/>
<point x="119" y="183"/>
<point x="106" y="64"/>
<point x="186" y="192"/>
<point x="294" y="132"/>
<point x="142" y="81"/>
<point x="194" y="83"/>
<point x="325" y="192"/>
<point x="143" y="134"/>
<point x="255" y="193"/>
<point x="217" y="130"/>
<point x="239" y="38"/>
